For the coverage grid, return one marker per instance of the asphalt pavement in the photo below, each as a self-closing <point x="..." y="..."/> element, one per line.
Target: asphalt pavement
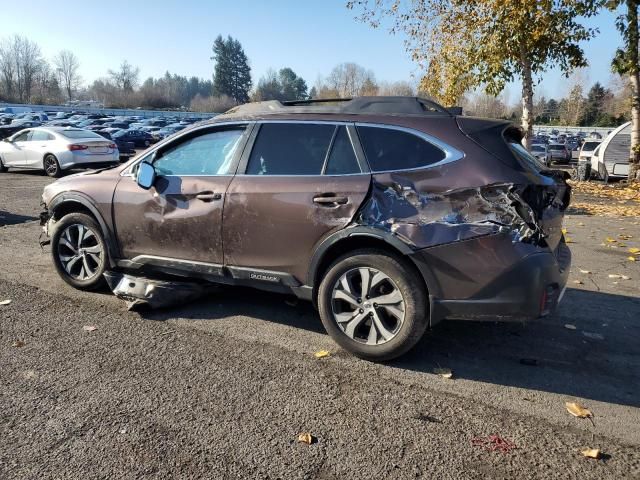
<point x="222" y="388"/>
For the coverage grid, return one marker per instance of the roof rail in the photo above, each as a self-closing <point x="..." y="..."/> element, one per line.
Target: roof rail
<point x="357" y="105"/>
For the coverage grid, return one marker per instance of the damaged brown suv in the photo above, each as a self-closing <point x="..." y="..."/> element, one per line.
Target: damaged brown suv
<point x="389" y="213"/>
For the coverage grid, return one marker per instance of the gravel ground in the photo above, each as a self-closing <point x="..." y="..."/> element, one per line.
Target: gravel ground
<point x="221" y="388"/>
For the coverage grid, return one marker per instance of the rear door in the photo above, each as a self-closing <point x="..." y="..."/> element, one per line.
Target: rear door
<point x="298" y="183"/>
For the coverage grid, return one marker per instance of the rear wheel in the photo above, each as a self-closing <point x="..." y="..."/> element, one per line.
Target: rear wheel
<point x="51" y="166"/>
<point x="373" y="305"/>
<point x="79" y="251"/>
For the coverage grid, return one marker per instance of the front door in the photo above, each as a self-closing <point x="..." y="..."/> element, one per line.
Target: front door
<point x="180" y="217"/>
<point x="302" y="181"/>
<point x="13" y="155"/>
<point x="39" y="144"/>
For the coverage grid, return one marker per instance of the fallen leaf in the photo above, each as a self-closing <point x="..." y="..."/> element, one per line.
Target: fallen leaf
<point x="307" y="438"/>
<point x="443" y="372"/>
<point x="634" y="250"/>
<point x="5" y="302"/>
<point x="631" y="259"/>
<point x="611" y="240"/>
<point x="615" y="275"/>
<point x="18" y="344"/>
<point x="568" y="240"/>
<point x="624" y="277"/>
<point x="591" y="453"/>
<point x="578" y="282"/>
<point x="578" y="410"/>
<point x="89" y="328"/>
<point x="569" y="326"/>
<point x="565" y="231"/>
<point x="585" y="271"/>
<point x="322" y="353"/>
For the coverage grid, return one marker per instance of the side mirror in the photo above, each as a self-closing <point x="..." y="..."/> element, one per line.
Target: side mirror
<point x="146" y="175"/>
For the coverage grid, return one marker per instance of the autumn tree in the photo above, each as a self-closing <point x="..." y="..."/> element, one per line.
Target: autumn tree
<point x="67" y="65"/>
<point x="463" y="44"/>
<point x="625" y="62"/>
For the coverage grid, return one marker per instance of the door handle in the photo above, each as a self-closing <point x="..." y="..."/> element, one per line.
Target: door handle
<point x="330" y="200"/>
<point x="208" y="196"/>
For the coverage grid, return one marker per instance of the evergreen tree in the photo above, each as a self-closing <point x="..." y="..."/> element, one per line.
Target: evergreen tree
<point x="293" y="86"/>
<point x="232" y="74"/>
<point x="594" y="104"/>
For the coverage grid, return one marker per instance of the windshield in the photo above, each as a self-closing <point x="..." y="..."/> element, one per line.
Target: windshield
<point x="78" y="134"/>
<point x="590" y="145"/>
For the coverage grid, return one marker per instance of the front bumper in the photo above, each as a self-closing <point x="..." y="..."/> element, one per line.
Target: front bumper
<point x="522" y="284"/>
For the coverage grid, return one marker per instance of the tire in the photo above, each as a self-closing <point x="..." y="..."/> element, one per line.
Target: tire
<point x="3" y="169"/>
<point x="91" y="255"/>
<point x="398" y="333"/>
<point x="51" y="166"/>
<point x="584" y="172"/>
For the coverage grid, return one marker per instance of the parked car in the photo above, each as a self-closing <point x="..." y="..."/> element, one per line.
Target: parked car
<point x="8" y="130"/>
<point x="126" y="149"/>
<point x="390" y="213"/>
<point x="138" y="137"/>
<point x="541" y="152"/>
<point x="559" y="152"/>
<point x="55" y="149"/>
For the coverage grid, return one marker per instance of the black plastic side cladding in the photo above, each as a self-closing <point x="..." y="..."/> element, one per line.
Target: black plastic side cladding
<point x="428" y="219"/>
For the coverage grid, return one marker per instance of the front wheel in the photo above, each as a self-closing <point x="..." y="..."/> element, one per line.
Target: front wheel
<point x="79" y="251"/>
<point x="51" y="166"/>
<point x="373" y="305"/>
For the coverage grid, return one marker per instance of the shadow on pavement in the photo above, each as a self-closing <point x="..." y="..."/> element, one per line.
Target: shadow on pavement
<point x="8" y="218"/>
<point x="599" y="360"/>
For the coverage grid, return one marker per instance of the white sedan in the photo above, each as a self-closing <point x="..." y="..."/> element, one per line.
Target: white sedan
<point x="55" y="149"/>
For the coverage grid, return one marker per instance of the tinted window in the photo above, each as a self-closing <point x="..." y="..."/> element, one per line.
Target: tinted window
<point x="39" y="135"/>
<point x="590" y="145"/>
<point x="208" y="154"/>
<point x="78" y="134"/>
<point x="390" y="149"/>
<point x="556" y="147"/>
<point x="342" y="159"/>
<point x="290" y="149"/>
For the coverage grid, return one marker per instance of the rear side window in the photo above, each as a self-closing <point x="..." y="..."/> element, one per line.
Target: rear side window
<point x="342" y="159"/>
<point x="391" y="149"/>
<point x="78" y="134"/>
<point x="41" y="136"/>
<point x="290" y="149"/>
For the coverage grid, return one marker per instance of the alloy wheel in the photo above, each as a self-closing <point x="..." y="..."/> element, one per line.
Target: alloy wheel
<point x="80" y="252"/>
<point x="50" y="166"/>
<point x="368" y="306"/>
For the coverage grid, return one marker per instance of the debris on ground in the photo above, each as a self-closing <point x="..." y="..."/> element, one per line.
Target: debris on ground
<point x="89" y="328"/>
<point x="322" y="354"/>
<point x="593" y="335"/>
<point x="443" y="372"/>
<point x="631" y="259"/>
<point x="307" y="438"/>
<point x="5" y="302"/>
<point x="146" y="292"/>
<point x="578" y="282"/>
<point x="592" y="453"/>
<point x="634" y="250"/>
<point x="569" y="326"/>
<point x="616" y="275"/>
<point x="494" y="443"/>
<point x="585" y="271"/>
<point x="18" y="344"/>
<point x="578" y="410"/>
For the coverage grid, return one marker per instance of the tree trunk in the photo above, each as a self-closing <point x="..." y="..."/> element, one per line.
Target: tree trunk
<point x="634" y="154"/>
<point x="527" y="100"/>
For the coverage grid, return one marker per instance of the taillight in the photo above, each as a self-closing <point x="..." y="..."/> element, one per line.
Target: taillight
<point x="74" y="147"/>
<point x="113" y="146"/>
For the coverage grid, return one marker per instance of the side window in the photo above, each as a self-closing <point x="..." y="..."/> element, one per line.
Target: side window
<point x="390" y="149"/>
<point x="290" y="149"/>
<point x="40" y="136"/>
<point x="342" y="159"/>
<point x="207" y="154"/>
<point x="23" y="137"/>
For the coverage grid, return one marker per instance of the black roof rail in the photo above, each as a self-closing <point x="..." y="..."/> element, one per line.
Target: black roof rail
<point x="358" y="105"/>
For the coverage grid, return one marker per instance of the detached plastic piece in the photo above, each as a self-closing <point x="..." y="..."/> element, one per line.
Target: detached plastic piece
<point x="141" y="292"/>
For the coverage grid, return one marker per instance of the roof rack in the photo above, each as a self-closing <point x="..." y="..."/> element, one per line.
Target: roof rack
<point x="357" y="105"/>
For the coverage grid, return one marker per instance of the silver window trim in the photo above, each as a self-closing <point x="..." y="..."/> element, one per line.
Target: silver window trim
<point x="127" y="171"/>
<point x="451" y="154"/>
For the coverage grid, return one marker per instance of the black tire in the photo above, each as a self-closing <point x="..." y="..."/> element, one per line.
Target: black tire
<point x="3" y="169"/>
<point x="584" y="172"/>
<point x="96" y="280"/>
<point x="51" y="166"/>
<point x="404" y="277"/>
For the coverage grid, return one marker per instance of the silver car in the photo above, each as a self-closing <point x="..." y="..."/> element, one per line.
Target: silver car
<point x="541" y="152"/>
<point x="55" y="149"/>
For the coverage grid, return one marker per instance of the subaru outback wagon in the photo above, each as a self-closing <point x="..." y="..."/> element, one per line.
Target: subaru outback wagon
<point x="389" y="213"/>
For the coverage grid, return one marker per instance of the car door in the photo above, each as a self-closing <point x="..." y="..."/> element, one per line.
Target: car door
<point x="13" y="154"/>
<point x="38" y="145"/>
<point x="300" y="182"/>
<point x="178" y="221"/>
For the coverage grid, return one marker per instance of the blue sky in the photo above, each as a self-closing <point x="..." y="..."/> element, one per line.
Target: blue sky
<point x="310" y="36"/>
